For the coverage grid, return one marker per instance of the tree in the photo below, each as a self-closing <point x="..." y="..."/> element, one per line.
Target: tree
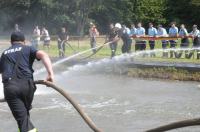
<point x="77" y="14"/>
<point x="183" y="11"/>
<point x="150" y="11"/>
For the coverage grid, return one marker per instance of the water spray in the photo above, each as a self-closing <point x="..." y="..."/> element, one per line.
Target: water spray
<point x="85" y="117"/>
<point x="75" y="55"/>
<point x="131" y="55"/>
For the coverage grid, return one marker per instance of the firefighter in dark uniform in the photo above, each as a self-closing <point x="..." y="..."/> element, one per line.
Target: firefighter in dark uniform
<point x="62" y="37"/>
<point x="17" y="76"/>
<point x="112" y="36"/>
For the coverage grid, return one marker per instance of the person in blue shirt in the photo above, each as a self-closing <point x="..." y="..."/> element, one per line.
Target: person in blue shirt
<point x="133" y="33"/>
<point x="152" y="32"/>
<point x="17" y="76"/>
<point x="163" y="33"/>
<point x="183" y="33"/>
<point x="126" y="47"/>
<point x="140" y="44"/>
<point x="173" y="32"/>
<point x="133" y="30"/>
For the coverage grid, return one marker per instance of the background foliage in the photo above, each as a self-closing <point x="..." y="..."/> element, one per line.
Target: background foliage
<point x="77" y="14"/>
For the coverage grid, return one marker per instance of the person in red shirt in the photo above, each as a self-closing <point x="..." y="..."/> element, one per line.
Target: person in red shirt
<point x="93" y="33"/>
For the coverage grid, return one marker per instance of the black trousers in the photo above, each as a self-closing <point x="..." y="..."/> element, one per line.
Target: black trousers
<point x="113" y="47"/>
<point x="164" y="44"/>
<point x="152" y="45"/>
<point x="196" y="42"/>
<point x="172" y="44"/>
<point x="140" y="45"/>
<point x="19" y="96"/>
<point x="184" y="44"/>
<point x="61" y="48"/>
<point x="126" y="47"/>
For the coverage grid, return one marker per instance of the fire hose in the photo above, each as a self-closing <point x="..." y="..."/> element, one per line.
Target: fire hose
<point x="98" y="49"/>
<point x="175" y="125"/>
<point x="85" y="117"/>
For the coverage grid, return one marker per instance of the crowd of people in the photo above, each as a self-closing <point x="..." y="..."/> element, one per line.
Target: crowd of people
<point x="140" y="38"/>
<point x="135" y="35"/>
<point x="62" y="37"/>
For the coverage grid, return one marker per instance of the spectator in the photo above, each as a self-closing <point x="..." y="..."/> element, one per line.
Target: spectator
<point x="127" y="30"/>
<point x="183" y="33"/>
<point x="152" y="32"/>
<point x="140" y="44"/>
<point x="126" y="47"/>
<point x="36" y="37"/>
<point x="196" y="39"/>
<point x="93" y="33"/>
<point x="62" y="37"/>
<point x="163" y="33"/>
<point x="17" y="28"/>
<point x="46" y="38"/>
<point x="133" y="30"/>
<point x="133" y="33"/>
<point x="195" y="34"/>
<point x="173" y="32"/>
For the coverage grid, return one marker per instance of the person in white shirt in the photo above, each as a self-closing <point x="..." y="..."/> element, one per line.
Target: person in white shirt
<point x="183" y="33"/>
<point x="17" y="29"/>
<point x="163" y="33"/>
<point x="36" y="37"/>
<point x="46" y="37"/>
<point x="196" y="39"/>
<point x="196" y="36"/>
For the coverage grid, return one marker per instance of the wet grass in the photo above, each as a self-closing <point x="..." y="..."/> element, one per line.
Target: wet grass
<point x="79" y="46"/>
<point x="164" y="73"/>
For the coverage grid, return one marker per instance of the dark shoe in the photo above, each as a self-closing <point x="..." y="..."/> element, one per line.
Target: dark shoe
<point x="178" y="55"/>
<point x="189" y="55"/>
<point x="198" y="55"/>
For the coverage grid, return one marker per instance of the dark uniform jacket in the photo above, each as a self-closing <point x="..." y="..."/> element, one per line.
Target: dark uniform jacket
<point x="17" y="52"/>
